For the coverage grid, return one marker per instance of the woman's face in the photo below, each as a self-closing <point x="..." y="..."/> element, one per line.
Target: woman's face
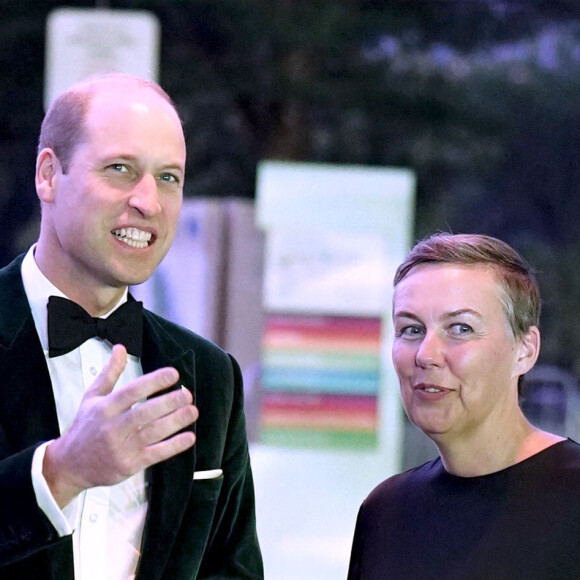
<point x="457" y="360"/>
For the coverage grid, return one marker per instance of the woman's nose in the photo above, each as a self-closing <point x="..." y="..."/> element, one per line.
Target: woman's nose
<point x="431" y="351"/>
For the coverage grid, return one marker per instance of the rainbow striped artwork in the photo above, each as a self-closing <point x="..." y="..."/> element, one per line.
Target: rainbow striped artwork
<point x="320" y="381"/>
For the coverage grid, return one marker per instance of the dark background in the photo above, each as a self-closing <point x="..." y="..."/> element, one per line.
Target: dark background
<point x="481" y="98"/>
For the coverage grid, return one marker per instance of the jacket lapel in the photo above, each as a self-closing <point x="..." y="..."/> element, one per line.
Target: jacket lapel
<point x="22" y="360"/>
<point x="170" y="482"/>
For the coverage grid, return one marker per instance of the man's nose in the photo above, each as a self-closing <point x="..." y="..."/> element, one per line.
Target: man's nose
<point x="145" y="196"/>
<point x="431" y="352"/>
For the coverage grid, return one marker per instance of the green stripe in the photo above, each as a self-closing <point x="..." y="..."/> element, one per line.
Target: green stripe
<point x="310" y="360"/>
<point x="318" y="439"/>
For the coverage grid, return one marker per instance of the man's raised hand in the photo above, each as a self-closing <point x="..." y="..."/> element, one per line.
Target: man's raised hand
<point x="116" y="434"/>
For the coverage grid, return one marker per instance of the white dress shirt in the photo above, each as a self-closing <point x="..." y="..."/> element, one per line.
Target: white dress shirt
<point x="106" y="522"/>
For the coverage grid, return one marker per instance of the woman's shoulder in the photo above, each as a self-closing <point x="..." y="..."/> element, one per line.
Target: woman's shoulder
<point x="406" y="483"/>
<point x="566" y="454"/>
<point x="555" y="468"/>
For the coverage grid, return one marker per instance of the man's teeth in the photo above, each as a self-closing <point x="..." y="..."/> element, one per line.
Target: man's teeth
<point x="133" y="237"/>
<point x="432" y="390"/>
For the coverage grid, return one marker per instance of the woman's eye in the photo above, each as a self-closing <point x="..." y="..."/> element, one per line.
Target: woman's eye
<point x="120" y="167"/>
<point x="411" y="331"/>
<point x="461" y="329"/>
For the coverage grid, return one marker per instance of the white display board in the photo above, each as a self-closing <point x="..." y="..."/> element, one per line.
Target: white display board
<point x="334" y="236"/>
<point x="81" y="42"/>
<point x="312" y="271"/>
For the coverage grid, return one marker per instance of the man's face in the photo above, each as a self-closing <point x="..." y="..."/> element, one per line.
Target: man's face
<point x="454" y="352"/>
<point x="112" y="217"/>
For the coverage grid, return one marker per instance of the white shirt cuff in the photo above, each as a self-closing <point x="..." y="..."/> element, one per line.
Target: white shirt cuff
<point x="44" y="497"/>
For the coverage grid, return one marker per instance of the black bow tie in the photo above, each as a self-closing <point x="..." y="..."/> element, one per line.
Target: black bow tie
<point x="69" y="325"/>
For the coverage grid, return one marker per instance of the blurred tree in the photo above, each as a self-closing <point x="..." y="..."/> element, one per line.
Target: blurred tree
<point x="481" y="98"/>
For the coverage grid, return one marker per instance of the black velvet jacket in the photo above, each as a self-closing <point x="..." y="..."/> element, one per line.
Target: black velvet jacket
<point x="194" y="529"/>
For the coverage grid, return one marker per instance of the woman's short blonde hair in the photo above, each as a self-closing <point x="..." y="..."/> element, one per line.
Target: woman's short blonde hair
<point x="521" y="300"/>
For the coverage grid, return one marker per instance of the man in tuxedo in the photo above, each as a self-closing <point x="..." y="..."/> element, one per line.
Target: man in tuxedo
<point x="123" y="451"/>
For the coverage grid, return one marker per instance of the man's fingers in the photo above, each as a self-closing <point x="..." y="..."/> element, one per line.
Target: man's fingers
<point x="111" y="372"/>
<point x="168" y="448"/>
<point x="160" y="406"/>
<point x="144" y="387"/>
<point x="166" y="426"/>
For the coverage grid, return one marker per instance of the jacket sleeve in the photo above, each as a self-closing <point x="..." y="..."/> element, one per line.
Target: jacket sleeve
<point x="24" y="529"/>
<point x="233" y="551"/>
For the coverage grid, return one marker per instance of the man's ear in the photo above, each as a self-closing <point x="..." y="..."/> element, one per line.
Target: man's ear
<point x="529" y="350"/>
<point x="48" y="169"/>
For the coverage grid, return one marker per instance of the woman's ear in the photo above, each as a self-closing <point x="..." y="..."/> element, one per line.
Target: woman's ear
<point x="529" y="350"/>
<point x="47" y="171"/>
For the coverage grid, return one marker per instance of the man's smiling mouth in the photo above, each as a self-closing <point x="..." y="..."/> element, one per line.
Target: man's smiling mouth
<point x="133" y="237"/>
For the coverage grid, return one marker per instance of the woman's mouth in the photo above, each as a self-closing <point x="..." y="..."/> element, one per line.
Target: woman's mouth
<point x="431" y="390"/>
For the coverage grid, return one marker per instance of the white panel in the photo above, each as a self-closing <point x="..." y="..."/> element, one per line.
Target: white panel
<point x="347" y="198"/>
<point x="307" y="503"/>
<point x="335" y="235"/>
<point x="85" y="41"/>
<point x="326" y="272"/>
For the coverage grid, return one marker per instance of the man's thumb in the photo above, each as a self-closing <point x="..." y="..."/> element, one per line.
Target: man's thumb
<point x="111" y="372"/>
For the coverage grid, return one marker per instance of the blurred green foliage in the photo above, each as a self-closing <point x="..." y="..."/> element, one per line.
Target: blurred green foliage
<point x="481" y="98"/>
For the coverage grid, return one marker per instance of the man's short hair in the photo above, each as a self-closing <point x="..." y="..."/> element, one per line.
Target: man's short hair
<point x="63" y="126"/>
<point x="521" y="299"/>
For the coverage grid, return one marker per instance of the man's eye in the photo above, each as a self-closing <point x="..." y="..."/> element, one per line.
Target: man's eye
<point x="120" y="167"/>
<point x="169" y="178"/>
